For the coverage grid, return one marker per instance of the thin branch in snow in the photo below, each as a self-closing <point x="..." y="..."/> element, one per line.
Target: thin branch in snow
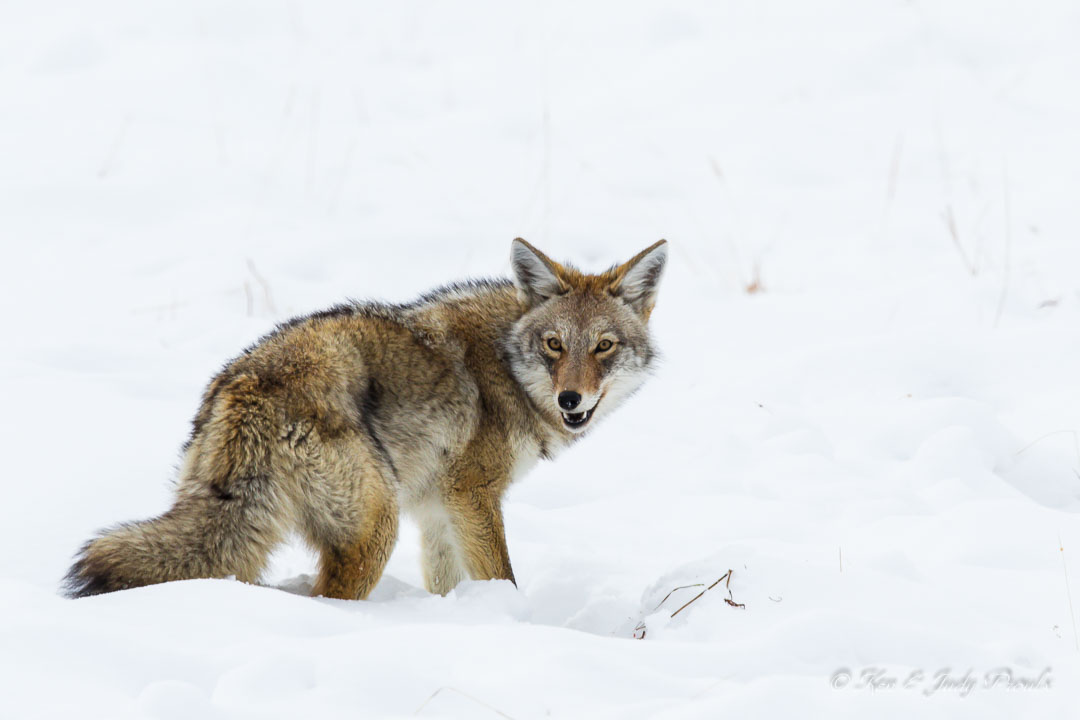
<point x="729" y="599"/>
<point x="1036" y="441"/>
<point x="478" y="701"/>
<point x="693" y="599"/>
<point x="722" y="181"/>
<point x="673" y="590"/>
<point x="268" y="298"/>
<point x="755" y="286"/>
<point x="947" y="215"/>
<point x="1068" y="593"/>
<point x="640" y="629"/>
<point x="114" y="148"/>
<point x="950" y="223"/>
<point x="894" y="178"/>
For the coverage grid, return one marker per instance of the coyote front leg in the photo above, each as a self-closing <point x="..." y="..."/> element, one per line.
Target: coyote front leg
<point x="443" y="567"/>
<point x="477" y="519"/>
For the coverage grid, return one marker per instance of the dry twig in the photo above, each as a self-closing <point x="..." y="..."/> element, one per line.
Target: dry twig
<point x="729" y="599"/>
<point x="674" y="590"/>
<point x="640" y="630"/>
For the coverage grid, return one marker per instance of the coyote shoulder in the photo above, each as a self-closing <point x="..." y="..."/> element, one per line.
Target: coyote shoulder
<point x="335" y="422"/>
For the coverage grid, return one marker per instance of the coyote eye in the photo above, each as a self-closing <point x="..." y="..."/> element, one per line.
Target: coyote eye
<point x="604" y="345"/>
<point x="554" y="345"/>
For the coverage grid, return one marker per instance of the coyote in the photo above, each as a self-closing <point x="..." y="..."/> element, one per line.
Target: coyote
<point x="334" y="422"/>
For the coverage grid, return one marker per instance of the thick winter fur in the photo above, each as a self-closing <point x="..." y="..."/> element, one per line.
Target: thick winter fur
<point x="336" y="422"/>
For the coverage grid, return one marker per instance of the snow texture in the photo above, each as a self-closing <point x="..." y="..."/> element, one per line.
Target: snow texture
<point x="868" y="408"/>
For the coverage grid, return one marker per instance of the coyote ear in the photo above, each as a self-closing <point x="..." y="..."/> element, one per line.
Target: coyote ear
<point x="535" y="274"/>
<point x="639" y="278"/>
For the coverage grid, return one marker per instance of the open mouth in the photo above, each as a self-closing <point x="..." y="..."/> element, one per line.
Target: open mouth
<point x="577" y="421"/>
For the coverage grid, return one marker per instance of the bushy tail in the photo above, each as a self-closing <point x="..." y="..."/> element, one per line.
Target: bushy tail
<point x="227" y="517"/>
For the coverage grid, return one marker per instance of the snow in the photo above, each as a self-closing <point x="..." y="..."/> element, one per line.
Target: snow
<point x="881" y="442"/>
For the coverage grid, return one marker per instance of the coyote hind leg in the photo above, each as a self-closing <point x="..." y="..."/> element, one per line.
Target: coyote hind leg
<point x="354" y="534"/>
<point x="350" y="566"/>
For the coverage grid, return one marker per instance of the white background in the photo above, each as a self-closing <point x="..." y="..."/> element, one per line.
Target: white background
<point x="881" y="441"/>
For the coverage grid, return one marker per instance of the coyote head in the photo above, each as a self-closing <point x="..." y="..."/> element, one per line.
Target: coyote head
<point x="582" y="345"/>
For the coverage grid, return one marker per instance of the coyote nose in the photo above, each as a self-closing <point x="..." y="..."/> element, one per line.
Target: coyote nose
<point x="568" y="399"/>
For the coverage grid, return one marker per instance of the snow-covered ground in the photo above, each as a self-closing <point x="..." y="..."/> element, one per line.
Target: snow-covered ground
<point x="880" y="440"/>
